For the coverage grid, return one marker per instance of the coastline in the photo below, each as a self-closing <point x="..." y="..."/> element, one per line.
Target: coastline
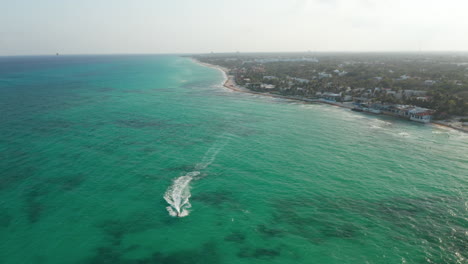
<point x="449" y="125"/>
<point x="231" y="84"/>
<point x="229" y="81"/>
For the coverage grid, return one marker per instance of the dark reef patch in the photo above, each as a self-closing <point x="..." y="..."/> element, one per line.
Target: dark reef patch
<point x="115" y="229"/>
<point x="185" y="168"/>
<point x="316" y="219"/>
<point x="13" y="152"/>
<point x="12" y="176"/>
<point x="140" y="123"/>
<point x="216" y="199"/>
<point x="70" y="156"/>
<point x="68" y="182"/>
<point x="266" y="253"/>
<point x="5" y="218"/>
<point x="341" y="231"/>
<point x="237" y="237"/>
<point x="398" y="209"/>
<point x="269" y="232"/>
<point x="135" y="91"/>
<point x="51" y="127"/>
<point x="259" y="253"/>
<point x="132" y="248"/>
<point x="104" y="255"/>
<point x="149" y="150"/>
<point x="429" y="219"/>
<point x="33" y="206"/>
<point x="39" y="259"/>
<point x="435" y="221"/>
<point x="106" y="89"/>
<point x="206" y="254"/>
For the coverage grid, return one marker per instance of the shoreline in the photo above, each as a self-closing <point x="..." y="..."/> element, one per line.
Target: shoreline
<point x="230" y="84"/>
<point x="444" y="124"/>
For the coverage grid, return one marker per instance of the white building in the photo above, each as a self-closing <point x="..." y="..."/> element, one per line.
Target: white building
<point x="267" y="60"/>
<point x="300" y="80"/>
<point x="267" y="86"/>
<point x="330" y="97"/>
<point x="419" y="114"/>
<point x="429" y="82"/>
<point x="414" y="93"/>
<point x="343" y="73"/>
<point x="404" y="77"/>
<point x="324" y="75"/>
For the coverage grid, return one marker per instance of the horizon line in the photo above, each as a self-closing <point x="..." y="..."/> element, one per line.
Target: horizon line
<point x="230" y="52"/>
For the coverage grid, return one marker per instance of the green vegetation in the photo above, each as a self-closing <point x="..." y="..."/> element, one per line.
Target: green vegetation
<point x="437" y="81"/>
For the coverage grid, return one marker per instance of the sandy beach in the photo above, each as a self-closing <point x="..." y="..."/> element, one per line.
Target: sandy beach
<point x="231" y="84"/>
<point x="452" y="125"/>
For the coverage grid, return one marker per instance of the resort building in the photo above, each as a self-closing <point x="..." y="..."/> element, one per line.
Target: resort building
<point x="403" y="77"/>
<point x="300" y="80"/>
<point x="429" y="82"/>
<point x="420" y="114"/>
<point x="324" y="75"/>
<point x="331" y="97"/>
<point x="267" y="86"/>
<point x="413" y="113"/>
<point x="409" y="93"/>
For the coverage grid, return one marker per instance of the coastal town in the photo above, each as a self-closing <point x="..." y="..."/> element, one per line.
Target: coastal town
<point x="425" y="88"/>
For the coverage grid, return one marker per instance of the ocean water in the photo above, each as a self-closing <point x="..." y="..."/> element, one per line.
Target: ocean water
<point x="99" y="155"/>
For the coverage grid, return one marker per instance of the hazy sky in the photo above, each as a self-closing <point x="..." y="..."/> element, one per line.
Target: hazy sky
<point x="199" y="26"/>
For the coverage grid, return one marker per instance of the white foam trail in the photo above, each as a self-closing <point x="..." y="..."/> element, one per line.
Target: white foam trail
<point x="209" y="157"/>
<point x="178" y="194"/>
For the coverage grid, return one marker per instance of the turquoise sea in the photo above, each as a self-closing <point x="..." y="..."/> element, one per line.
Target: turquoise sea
<point x="93" y="149"/>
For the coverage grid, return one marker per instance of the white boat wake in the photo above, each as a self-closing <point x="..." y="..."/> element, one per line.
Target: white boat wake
<point x="178" y="194"/>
